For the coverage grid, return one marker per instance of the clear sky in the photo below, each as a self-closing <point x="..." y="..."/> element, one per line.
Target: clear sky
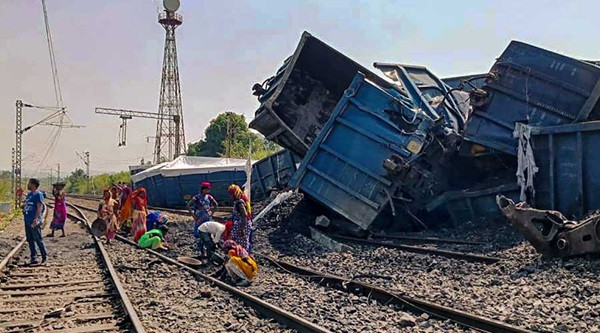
<point x="110" y="54"/>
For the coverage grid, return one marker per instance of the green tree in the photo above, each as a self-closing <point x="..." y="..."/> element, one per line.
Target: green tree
<point x="77" y="182"/>
<point x="216" y="142"/>
<point x="5" y="186"/>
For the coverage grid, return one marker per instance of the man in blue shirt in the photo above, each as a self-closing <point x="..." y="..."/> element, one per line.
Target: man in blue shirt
<point x="33" y="216"/>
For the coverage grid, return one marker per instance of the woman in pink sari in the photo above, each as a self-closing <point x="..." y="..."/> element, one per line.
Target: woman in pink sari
<point x="140" y="212"/>
<point x="60" y="211"/>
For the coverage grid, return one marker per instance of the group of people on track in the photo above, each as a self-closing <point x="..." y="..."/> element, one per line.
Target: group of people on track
<point x="234" y="237"/>
<point x="124" y="209"/>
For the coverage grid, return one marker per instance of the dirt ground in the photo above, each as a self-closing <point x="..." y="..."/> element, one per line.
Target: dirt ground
<point x="11" y="235"/>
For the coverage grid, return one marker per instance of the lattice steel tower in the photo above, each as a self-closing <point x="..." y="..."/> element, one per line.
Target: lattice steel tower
<point x="170" y="140"/>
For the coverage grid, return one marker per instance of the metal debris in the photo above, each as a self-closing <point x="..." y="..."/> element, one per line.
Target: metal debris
<point x="550" y="232"/>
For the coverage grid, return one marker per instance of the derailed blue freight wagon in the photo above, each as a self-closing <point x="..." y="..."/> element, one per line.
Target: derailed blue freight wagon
<point x="530" y="85"/>
<point x="568" y="162"/>
<point x="273" y="173"/>
<point x="379" y="157"/>
<point x="172" y="184"/>
<point x="298" y="100"/>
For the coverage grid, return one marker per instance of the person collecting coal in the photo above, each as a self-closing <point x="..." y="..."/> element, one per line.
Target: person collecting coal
<point x="154" y="239"/>
<point x="211" y="235"/>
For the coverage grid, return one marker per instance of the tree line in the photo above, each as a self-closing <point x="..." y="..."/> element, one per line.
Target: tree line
<point x="228" y="135"/>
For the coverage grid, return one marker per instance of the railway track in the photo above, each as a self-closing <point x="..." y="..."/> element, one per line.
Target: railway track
<point x="423" y="250"/>
<point x="414" y="305"/>
<point x="76" y="291"/>
<point x="277" y="289"/>
<point x="282" y="316"/>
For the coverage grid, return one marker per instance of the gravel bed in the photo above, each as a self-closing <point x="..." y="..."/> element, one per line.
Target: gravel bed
<point x="10" y="236"/>
<point x="335" y="310"/>
<point x="523" y="289"/>
<point x="167" y="298"/>
<point x="71" y="258"/>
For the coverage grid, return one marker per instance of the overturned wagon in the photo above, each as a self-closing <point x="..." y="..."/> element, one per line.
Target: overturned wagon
<point x="380" y="156"/>
<point x="298" y="100"/>
<point x="534" y="86"/>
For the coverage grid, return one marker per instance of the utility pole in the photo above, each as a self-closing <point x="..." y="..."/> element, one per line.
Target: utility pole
<point x="51" y="179"/>
<point x="228" y="152"/>
<point x="87" y="167"/>
<point x="18" y="147"/>
<point x="54" y="119"/>
<point x="86" y="160"/>
<point x="12" y="175"/>
<point x="58" y="172"/>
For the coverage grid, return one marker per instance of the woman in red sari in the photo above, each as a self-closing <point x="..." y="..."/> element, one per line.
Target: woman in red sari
<point x="140" y="212"/>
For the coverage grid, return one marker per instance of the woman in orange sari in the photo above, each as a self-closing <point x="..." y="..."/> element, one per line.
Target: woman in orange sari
<point x="140" y="212"/>
<point x="240" y="265"/>
<point x="126" y="207"/>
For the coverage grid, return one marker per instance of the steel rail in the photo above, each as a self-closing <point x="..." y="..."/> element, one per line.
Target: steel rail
<point x="422" y="250"/>
<point x="269" y="310"/>
<point x="11" y="254"/>
<point x="127" y="305"/>
<point x="164" y="209"/>
<point x="427" y="239"/>
<point x="18" y="246"/>
<point x="385" y="297"/>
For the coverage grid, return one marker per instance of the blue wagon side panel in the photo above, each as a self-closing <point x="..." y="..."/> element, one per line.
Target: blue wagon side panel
<point x="568" y="158"/>
<point x="533" y="86"/>
<point x="155" y="189"/>
<point x="344" y="167"/>
<point x="181" y="188"/>
<point x="172" y="192"/>
<point x="273" y="172"/>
